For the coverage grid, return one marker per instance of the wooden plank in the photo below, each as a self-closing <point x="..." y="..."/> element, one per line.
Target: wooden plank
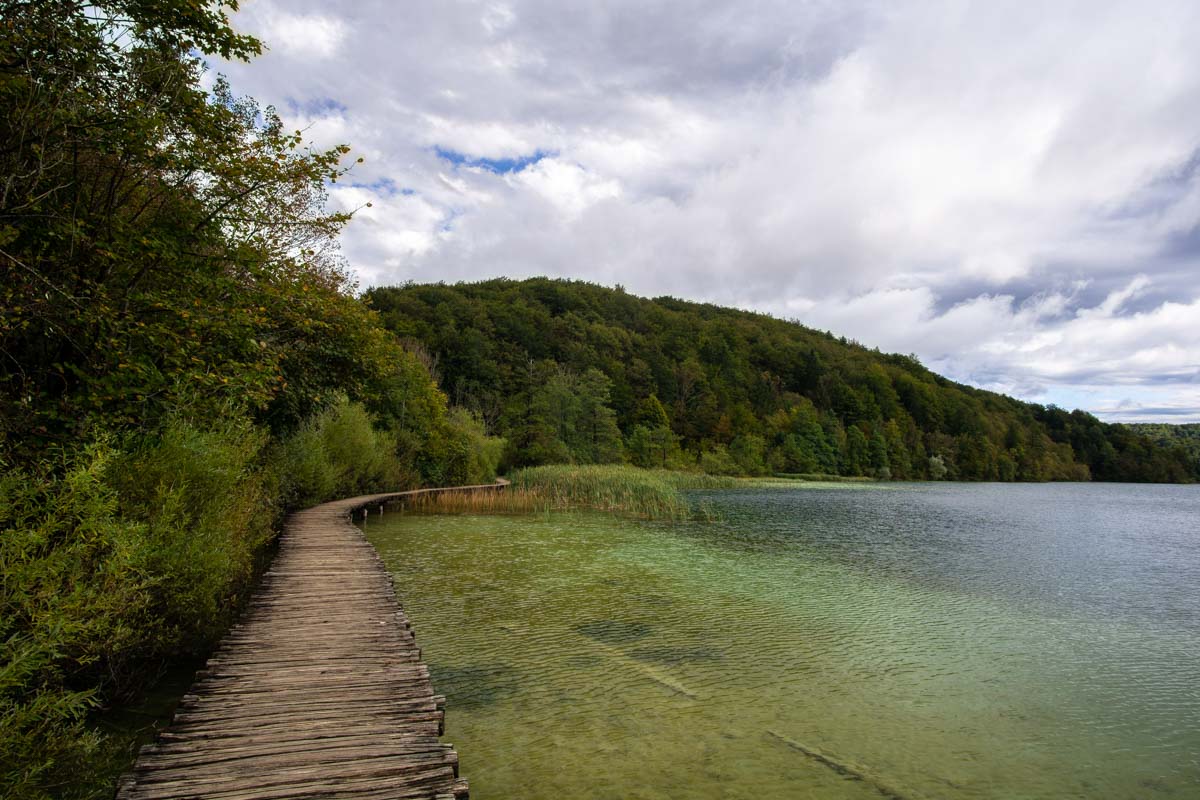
<point x="244" y="746"/>
<point x="317" y="692"/>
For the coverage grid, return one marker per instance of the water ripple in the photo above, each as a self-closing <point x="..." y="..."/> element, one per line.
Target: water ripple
<point x="926" y="641"/>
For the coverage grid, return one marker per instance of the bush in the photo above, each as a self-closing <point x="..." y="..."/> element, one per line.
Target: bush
<point x="459" y="452"/>
<point x="207" y="509"/>
<point x="73" y="600"/>
<point x="115" y="561"/>
<point x="718" y="462"/>
<point x="111" y="564"/>
<point x="337" y="453"/>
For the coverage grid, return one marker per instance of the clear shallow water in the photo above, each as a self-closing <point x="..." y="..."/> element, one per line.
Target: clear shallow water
<point x="915" y="641"/>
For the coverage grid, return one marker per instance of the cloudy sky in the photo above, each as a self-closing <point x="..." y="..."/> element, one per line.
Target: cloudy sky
<point x="1009" y="190"/>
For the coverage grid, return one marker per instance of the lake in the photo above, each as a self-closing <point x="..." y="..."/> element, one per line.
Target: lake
<point x="821" y="640"/>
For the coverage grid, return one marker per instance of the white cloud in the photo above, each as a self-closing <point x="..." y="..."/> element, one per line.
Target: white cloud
<point x="568" y="188"/>
<point x="497" y="18"/>
<point x="1010" y="191"/>
<point x="1029" y="348"/>
<point x="311" y="36"/>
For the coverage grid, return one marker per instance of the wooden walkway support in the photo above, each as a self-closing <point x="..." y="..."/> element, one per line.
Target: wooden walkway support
<point x="319" y="691"/>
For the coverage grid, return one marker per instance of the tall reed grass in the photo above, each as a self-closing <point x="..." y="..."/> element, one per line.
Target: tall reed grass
<point x="648" y="494"/>
<point x="499" y="501"/>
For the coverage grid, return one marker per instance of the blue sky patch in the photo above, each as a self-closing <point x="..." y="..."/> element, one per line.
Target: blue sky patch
<point x="386" y="187"/>
<point x="316" y="106"/>
<point x="500" y="166"/>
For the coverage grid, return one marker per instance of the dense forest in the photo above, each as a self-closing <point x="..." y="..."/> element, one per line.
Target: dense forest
<point x="182" y="360"/>
<point x="573" y="372"/>
<point x="1186" y="436"/>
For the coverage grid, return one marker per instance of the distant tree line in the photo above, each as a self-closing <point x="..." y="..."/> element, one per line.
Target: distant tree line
<point x="573" y="372"/>
<point x="1186" y="436"/>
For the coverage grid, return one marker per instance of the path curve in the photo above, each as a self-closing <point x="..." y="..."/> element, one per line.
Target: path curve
<point x="319" y="690"/>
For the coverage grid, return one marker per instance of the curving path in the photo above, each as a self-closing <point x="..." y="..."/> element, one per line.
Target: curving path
<point x="319" y="691"/>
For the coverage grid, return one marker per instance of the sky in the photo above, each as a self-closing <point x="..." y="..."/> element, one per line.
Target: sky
<point x="1010" y="191"/>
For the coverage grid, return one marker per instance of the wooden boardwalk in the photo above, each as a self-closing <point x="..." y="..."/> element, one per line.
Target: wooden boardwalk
<point x="318" y="692"/>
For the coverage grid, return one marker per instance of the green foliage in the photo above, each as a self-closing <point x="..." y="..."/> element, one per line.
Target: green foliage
<point x="484" y="451"/>
<point x="597" y="438"/>
<point x="855" y="456"/>
<point x="337" y="452"/>
<point x="112" y="563"/>
<point x="877" y="455"/>
<point x="899" y="459"/>
<point x="798" y="442"/>
<point x="342" y="452"/>
<point x="653" y="448"/>
<point x="717" y="461"/>
<point x="749" y="452"/>
<point x="115" y="561"/>
<point x="159" y="243"/>
<point x="564" y="417"/>
<point x="652" y="414"/>
<point x="1117" y="452"/>
<point x="1185" y="437"/>
<point x="460" y="453"/>
<point x="65" y="599"/>
<point x="184" y="362"/>
<point x="687" y="380"/>
<point x="202" y="500"/>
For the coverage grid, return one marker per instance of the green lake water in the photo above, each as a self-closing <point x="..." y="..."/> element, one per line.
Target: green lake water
<point x="823" y="641"/>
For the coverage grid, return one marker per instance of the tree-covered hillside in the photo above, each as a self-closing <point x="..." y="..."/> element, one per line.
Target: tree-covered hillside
<point x="1186" y="436"/>
<point x="570" y="371"/>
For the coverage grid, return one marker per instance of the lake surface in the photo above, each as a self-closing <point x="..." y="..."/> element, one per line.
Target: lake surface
<point x="823" y="641"/>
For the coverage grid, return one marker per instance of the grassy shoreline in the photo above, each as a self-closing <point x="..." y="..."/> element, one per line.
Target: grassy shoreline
<point x="821" y="477"/>
<point x="631" y="491"/>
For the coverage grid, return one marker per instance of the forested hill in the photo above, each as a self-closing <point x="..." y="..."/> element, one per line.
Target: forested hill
<point x="570" y="371"/>
<point x="1186" y="436"/>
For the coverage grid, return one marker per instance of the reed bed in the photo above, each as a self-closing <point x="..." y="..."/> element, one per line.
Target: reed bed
<point x="501" y="501"/>
<point x="647" y="494"/>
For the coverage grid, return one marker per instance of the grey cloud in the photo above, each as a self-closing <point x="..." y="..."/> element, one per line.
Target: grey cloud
<point x="1155" y="412"/>
<point x="971" y="182"/>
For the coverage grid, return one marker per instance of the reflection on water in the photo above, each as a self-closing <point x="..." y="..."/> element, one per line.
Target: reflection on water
<point x="925" y="641"/>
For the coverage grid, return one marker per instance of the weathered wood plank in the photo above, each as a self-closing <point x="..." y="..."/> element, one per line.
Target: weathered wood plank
<point x="318" y="692"/>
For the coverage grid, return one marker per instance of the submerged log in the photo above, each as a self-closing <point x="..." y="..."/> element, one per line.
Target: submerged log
<point x="847" y="769"/>
<point x="655" y="674"/>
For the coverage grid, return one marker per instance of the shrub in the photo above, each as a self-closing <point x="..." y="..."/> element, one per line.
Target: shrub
<point x="460" y="452"/>
<point x="337" y="453"/>
<point x="205" y="505"/>
<point x="115" y="561"/>
<point x="75" y="610"/>
<point x="111" y="564"/>
<point x="718" y="462"/>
